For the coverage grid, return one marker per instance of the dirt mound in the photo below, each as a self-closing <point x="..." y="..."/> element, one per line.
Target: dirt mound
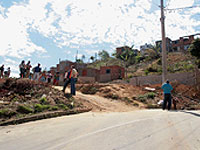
<point x="187" y="97"/>
<point x="22" y="97"/>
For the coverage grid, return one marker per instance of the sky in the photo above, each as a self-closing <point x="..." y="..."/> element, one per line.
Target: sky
<point x="46" y="31"/>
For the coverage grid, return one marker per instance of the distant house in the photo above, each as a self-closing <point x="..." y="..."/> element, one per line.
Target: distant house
<point x="183" y="43"/>
<point x="145" y="47"/>
<point x="120" y="50"/>
<point x="168" y="44"/>
<point x="104" y="74"/>
<point x="115" y="72"/>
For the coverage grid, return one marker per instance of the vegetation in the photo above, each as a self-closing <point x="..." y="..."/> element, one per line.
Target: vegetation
<point x="25" y="109"/>
<point x="195" y="50"/>
<point x="143" y="98"/>
<point x="149" y="63"/>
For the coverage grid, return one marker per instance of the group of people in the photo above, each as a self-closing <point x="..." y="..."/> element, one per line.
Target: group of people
<point x="37" y="73"/>
<point x="4" y="73"/>
<point x="46" y="77"/>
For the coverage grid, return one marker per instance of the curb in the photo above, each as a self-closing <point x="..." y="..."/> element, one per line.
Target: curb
<point x="43" y="116"/>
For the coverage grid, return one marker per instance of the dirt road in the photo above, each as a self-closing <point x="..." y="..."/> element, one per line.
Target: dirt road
<point x="141" y="130"/>
<point x="102" y="104"/>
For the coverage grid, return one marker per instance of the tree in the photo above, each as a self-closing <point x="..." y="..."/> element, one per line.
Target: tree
<point x="79" y="61"/>
<point x="157" y="49"/>
<point x="195" y="48"/>
<point x="128" y="57"/>
<point x="92" y="58"/>
<point x="103" y="55"/>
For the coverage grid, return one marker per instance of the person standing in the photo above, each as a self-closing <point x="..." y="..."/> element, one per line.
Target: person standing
<point x="28" y="67"/>
<point x="7" y="73"/>
<point x="1" y="71"/>
<point x="37" y="71"/>
<point x="56" y="79"/>
<point x="74" y="75"/>
<point x="167" y="88"/>
<point x="67" y="79"/>
<point x="43" y="77"/>
<point x="22" y="69"/>
<point x="49" y="76"/>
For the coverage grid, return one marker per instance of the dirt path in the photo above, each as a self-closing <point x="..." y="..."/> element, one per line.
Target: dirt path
<point x="99" y="104"/>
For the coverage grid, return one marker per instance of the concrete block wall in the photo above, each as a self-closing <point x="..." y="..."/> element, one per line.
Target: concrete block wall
<point x="187" y="78"/>
<point x="105" y="78"/>
<point x="82" y="79"/>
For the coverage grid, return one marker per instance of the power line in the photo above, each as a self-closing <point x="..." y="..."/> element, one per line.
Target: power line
<point x="183" y="8"/>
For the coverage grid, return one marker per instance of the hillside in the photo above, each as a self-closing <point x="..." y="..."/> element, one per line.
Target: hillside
<point x="177" y="62"/>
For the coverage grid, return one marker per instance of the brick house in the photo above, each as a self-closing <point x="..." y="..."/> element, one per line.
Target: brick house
<point x="119" y="50"/>
<point x="116" y="72"/>
<point x="183" y="43"/>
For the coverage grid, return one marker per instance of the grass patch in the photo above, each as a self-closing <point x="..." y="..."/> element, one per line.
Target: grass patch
<point x="143" y="98"/>
<point x="24" y="109"/>
<point x="62" y="106"/>
<point x="43" y="100"/>
<point x="41" y="108"/>
<point x="6" y="113"/>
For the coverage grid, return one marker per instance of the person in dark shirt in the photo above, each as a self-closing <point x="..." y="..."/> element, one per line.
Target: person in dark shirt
<point x="36" y="71"/>
<point x="22" y="69"/>
<point x="1" y="71"/>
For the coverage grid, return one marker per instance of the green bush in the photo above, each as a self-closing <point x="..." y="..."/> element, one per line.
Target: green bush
<point x="40" y="108"/>
<point x="146" y="72"/>
<point x="43" y="100"/>
<point x="150" y="95"/>
<point x="62" y="106"/>
<point x="6" y="113"/>
<point x="24" y="109"/>
<point x="54" y="108"/>
<point x="142" y="98"/>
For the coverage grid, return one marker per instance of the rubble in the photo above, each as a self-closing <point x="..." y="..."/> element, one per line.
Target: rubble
<point x="23" y="97"/>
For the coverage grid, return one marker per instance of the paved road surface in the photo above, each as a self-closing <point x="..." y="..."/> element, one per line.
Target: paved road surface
<point x="137" y="130"/>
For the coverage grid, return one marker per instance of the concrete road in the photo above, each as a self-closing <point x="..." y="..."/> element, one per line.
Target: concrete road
<point x="137" y="130"/>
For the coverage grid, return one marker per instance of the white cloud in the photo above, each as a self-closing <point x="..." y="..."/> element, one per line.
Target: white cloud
<point x="14" y="35"/>
<point x="78" y="23"/>
<point x="180" y="3"/>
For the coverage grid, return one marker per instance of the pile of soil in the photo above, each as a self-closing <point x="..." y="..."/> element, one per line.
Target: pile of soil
<point x="22" y="97"/>
<point x="186" y="97"/>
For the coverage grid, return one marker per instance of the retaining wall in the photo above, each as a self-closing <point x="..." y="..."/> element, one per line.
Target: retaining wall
<point x="187" y="78"/>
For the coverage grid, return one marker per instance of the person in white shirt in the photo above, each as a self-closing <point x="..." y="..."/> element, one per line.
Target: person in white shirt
<point x="74" y="75"/>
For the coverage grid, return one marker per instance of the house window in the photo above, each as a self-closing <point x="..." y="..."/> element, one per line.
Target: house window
<point x="107" y="71"/>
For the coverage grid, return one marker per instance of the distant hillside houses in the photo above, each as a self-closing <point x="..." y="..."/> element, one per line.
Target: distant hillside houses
<point x="104" y="74"/>
<point x="180" y="45"/>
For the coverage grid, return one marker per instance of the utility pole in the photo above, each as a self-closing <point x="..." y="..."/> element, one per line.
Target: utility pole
<point x="164" y="61"/>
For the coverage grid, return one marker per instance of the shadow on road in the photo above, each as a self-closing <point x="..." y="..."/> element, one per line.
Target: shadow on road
<point x="192" y="113"/>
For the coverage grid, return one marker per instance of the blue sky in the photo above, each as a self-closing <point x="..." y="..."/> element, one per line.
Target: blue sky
<point x="45" y="31"/>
